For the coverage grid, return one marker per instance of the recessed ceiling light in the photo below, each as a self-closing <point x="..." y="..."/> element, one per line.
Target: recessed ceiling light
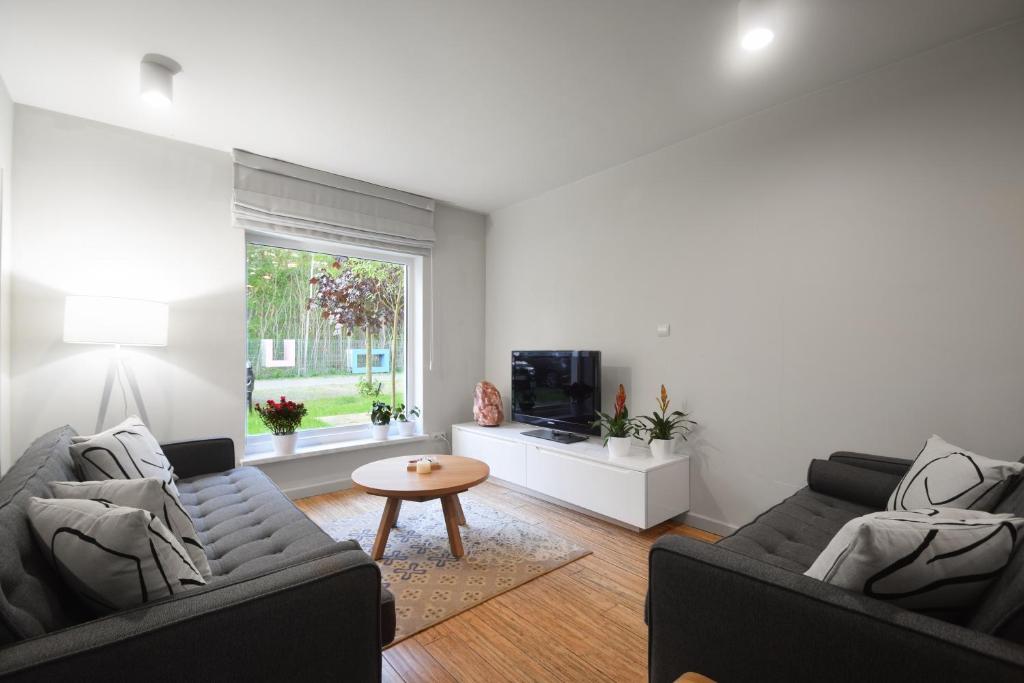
<point x="756" y="24"/>
<point x="156" y="80"/>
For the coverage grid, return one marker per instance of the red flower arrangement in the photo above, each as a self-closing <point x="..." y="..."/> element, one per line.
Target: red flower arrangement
<point x="281" y="417"/>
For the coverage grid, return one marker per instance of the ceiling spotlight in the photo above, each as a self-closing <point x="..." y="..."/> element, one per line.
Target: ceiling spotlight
<point x="756" y="24"/>
<point x="156" y="80"/>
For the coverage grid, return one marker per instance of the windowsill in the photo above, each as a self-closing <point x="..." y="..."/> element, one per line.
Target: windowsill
<point x="330" y="448"/>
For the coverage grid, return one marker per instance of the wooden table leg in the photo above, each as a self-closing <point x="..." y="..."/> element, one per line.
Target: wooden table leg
<point x="398" y="508"/>
<point x="387" y="521"/>
<point x="459" y="514"/>
<point x="451" y="522"/>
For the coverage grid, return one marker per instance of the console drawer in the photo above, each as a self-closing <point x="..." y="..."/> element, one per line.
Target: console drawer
<point x="610" y="491"/>
<point x="506" y="459"/>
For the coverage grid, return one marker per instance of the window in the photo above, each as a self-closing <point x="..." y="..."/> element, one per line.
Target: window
<point x="327" y="327"/>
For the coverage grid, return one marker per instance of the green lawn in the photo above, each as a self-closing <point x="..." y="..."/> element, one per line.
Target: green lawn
<point x="324" y="407"/>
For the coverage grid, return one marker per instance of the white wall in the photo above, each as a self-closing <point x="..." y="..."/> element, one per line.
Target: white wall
<point x="105" y="210"/>
<point x="108" y="211"/>
<point x="6" y="152"/>
<point x="844" y="271"/>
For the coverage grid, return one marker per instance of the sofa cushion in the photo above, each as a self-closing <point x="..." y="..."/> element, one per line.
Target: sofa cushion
<point x="245" y="522"/>
<point x="33" y="600"/>
<point x="125" y="451"/>
<point x="1001" y="611"/>
<point x="792" y="534"/>
<point x="944" y="475"/>
<point x="930" y="559"/>
<point x="114" y="557"/>
<point x="154" y="495"/>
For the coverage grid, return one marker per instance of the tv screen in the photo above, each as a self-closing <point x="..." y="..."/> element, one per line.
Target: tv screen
<point x="557" y="389"/>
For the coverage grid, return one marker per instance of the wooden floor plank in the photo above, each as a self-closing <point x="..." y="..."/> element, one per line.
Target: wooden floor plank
<point x="581" y="622"/>
<point x="388" y="673"/>
<point x="415" y="665"/>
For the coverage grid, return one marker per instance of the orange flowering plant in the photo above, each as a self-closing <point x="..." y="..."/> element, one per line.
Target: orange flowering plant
<point x="665" y="425"/>
<point x="620" y="424"/>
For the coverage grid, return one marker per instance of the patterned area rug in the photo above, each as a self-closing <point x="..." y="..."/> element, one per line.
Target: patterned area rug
<point x="429" y="583"/>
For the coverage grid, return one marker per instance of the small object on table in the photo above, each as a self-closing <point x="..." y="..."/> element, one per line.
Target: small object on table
<point x="413" y="465"/>
<point x="423" y="466"/>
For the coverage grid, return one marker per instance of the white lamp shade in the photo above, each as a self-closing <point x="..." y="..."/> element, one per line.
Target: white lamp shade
<point x="112" y="320"/>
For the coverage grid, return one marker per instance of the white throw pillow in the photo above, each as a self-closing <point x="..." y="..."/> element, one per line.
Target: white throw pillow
<point x="147" y="494"/>
<point x="126" y="451"/>
<point x="944" y="475"/>
<point x="928" y="559"/>
<point x="113" y="557"/>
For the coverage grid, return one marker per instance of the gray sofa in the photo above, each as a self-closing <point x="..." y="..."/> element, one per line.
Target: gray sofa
<point x="741" y="609"/>
<point x="286" y="601"/>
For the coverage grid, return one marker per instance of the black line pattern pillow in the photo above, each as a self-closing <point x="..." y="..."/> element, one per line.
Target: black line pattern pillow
<point x="127" y="451"/>
<point x="146" y="494"/>
<point x="944" y="475"/>
<point x="939" y="559"/>
<point x="113" y="557"/>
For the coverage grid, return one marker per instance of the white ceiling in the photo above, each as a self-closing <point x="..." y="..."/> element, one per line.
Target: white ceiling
<point x="477" y="102"/>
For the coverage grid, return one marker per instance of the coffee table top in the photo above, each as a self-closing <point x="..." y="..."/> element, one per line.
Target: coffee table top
<point x="391" y="478"/>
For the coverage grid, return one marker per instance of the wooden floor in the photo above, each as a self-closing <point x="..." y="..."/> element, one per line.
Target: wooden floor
<point x="582" y="622"/>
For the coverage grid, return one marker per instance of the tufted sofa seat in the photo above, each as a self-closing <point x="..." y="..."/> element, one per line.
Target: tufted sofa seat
<point x="244" y="522"/>
<point x="285" y="602"/>
<point x="792" y="534"/>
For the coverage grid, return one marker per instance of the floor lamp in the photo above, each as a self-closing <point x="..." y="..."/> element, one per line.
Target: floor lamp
<point x="119" y="322"/>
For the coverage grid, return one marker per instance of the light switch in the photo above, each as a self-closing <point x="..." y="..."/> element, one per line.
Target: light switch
<point x="664" y="330"/>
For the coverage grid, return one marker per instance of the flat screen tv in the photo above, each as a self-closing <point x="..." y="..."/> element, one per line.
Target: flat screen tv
<point x="557" y="389"/>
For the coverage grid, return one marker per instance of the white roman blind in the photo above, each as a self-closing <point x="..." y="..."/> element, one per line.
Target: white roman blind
<point x="278" y="198"/>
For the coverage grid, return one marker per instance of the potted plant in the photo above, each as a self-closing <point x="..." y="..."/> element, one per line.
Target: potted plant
<point x="380" y="419"/>
<point x="663" y="427"/>
<point x="619" y="429"/>
<point x="406" y="418"/>
<point x="282" y="418"/>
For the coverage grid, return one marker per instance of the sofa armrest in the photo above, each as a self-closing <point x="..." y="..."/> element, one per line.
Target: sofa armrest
<point x="317" y="618"/>
<point x="202" y="456"/>
<point x="861" y="485"/>
<point x="878" y="463"/>
<point x="734" y="618"/>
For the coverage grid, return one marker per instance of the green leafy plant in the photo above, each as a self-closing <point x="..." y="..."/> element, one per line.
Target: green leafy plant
<point x="620" y="424"/>
<point x="666" y="425"/>
<point x="402" y="414"/>
<point x="281" y="417"/>
<point x="368" y="388"/>
<point x="381" y="413"/>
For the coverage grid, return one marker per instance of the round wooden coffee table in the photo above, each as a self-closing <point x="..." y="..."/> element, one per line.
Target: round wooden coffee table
<point x="390" y="479"/>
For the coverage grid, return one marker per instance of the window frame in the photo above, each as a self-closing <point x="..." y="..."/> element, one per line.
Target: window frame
<point x="259" y="444"/>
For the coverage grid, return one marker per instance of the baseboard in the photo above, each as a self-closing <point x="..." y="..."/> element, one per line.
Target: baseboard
<point x="316" y="489"/>
<point x="710" y="524"/>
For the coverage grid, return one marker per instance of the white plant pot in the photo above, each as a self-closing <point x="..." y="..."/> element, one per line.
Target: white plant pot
<point x="407" y="428"/>
<point x="619" y="446"/>
<point x="284" y="444"/>
<point x="662" y="447"/>
<point x="380" y="432"/>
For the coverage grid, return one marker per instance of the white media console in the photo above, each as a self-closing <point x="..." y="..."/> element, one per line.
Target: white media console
<point x="638" y="491"/>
